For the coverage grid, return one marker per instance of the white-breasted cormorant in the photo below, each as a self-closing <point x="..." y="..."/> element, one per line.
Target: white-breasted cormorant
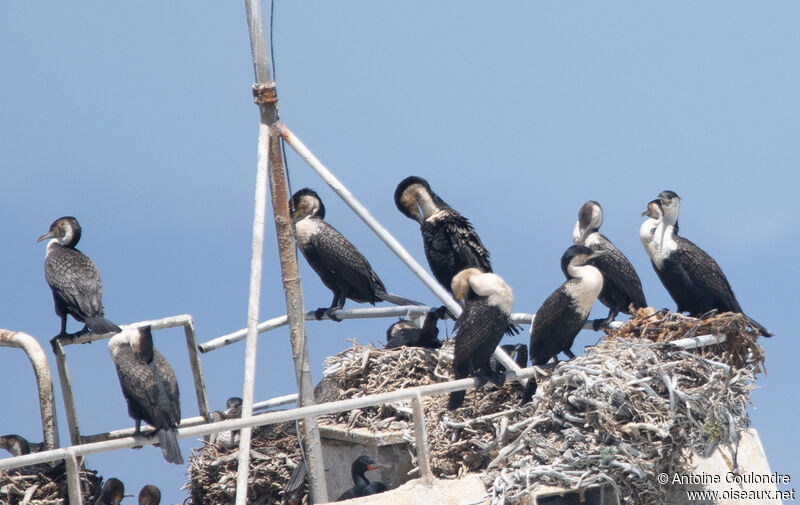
<point x="565" y="311"/>
<point x="363" y="487"/>
<point x="647" y="232"/>
<point x="621" y="284"/>
<point x="692" y="277"/>
<point x="149" y="386"/>
<point x="149" y="495"/>
<point x="488" y="301"/>
<point x="450" y="242"/>
<point x="406" y="333"/>
<point x="340" y="266"/>
<point x="74" y="279"/>
<point x="112" y="493"/>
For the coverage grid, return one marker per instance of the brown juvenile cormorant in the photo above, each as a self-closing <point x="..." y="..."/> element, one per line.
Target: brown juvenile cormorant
<point x="488" y="301"/>
<point x="149" y="495"/>
<point x="149" y="386"/>
<point x="451" y="243"/>
<point x="340" y="266"/>
<point x="363" y="487"/>
<point x="406" y="333"/>
<point x="112" y="493"/>
<point x="692" y="277"/>
<point x="565" y="311"/>
<point x="74" y="279"/>
<point x="621" y="284"/>
<point x="233" y="410"/>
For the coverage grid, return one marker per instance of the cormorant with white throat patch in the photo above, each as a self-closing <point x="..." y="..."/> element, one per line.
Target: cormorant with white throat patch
<point x="487" y="301"/>
<point x="621" y="284"/>
<point x="149" y="386"/>
<point x="692" y="277"/>
<point x="74" y="280"/>
<point x="340" y="266"/>
<point x="451" y="243"/>
<point x="565" y="311"/>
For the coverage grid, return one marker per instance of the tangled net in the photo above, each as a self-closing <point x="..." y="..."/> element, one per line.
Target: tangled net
<point x="45" y="487"/>
<point x="632" y="407"/>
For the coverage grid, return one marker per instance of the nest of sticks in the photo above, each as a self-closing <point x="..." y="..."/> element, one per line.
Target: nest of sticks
<point x="45" y="485"/>
<point x="630" y="408"/>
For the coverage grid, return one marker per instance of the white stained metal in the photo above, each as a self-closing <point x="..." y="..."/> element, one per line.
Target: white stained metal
<point x="44" y="381"/>
<point x="73" y="478"/>
<point x="699" y="341"/>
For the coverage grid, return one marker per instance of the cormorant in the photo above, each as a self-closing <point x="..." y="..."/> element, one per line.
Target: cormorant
<point x="233" y="410"/>
<point x="363" y="487"/>
<point x="149" y="386"/>
<point x="74" y="280"/>
<point x="406" y="333"/>
<point x="517" y="352"/>
<point x="647" y="232"/>
<point x="692" y="277"/>
<point x="451" y="243"/>
<point x="565" y="311"/>
<point x="112" y="493"/>
<point x="621" y="285"/>
<point x="149" y="495"/>
<point x="17" y="445"/>
<point x="488" y="301"/>
<point x="340" y="266"/>
<point x="292" y="492"/>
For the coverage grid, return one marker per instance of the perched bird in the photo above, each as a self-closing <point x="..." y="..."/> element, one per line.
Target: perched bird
<point x="621" y="284"/>
<point x="74" y="280"/>
<point x="517" y="352"/>
<point x="233" y="410"/>
<point x="149" y="495"/>
<point x="363" y="487"/>
<point x="340" y="266"/>
<point x="406" y="333"/>
<point x="451" y="243"/>
<point x="149" y="386"/>
<point x="488" y="301"/>
<point x="112" y="493"/>
<point x="17" y="445"/>
<point x="647" y="232"/>
<point x="293" y="491"/>
<point x="565" y="311"/>
<point x="692" y="277"/>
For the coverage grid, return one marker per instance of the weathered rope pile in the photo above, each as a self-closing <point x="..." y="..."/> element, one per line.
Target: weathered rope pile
<point x="46" y="488"/>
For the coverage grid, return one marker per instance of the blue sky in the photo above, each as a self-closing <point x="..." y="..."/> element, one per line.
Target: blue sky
<point x="138" y="120"/>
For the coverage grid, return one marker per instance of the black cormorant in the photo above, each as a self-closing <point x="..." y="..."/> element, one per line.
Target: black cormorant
<point x="293" y="490"/>
<point x="621" y="285"/>
<point x="340" y="266"/>
<point x="692" y="277"/>
<point x="488" y="301"/>
<point x="74" y="279"/>
<point x="363" y="487"/>
<point x="517" y="352"/>
<point x="565" y="311"/>
<point x="16" y="445"/>
<point x="112" y="493"/>
<point x="451" y="243"/>
<point x="149" y="386"/>
<point x="406" y="333"/>
<point x="149" y="495"/>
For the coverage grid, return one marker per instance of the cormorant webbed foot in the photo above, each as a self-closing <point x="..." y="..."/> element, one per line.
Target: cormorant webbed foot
<point x="331" y="313"/>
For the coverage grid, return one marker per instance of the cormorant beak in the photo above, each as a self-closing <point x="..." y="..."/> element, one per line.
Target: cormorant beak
<point x="49" y="234"/>
<point x="595" y="254"/>
<point x="584" y="234"/>
<point x="375" y="466"/>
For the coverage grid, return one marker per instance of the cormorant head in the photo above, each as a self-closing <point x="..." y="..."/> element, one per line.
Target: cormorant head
<point x="460" y="284"/>
<point x="577" y="256"/>
<point x="141" y="341"/>
<point x="233" y="407"/>
<point x="364" y="464"/>
<point x="112" y="493"/>
<point x="65" y="230"/>
<point x="654" y="210"/>
<point x="470" y="283"/>
<point x="416" y="200"/>
<point x="397" y="326"/>
<point x="306" y="202"/>
<point x="590" y="218"/>
<point x="15" y="445"/>
<point x="670" y="205"/>
<point x="149" y="495"/>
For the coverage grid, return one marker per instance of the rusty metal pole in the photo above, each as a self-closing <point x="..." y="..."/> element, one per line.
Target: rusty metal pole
<point x="266" y="98"/>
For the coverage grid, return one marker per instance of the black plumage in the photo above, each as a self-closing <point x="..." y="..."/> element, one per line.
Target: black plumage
<point x="621" y="285"/>
<point x="450" y="242"/>
<point x="692" y="277"/>
<point x="149" y="386"/>
<point x="112" y="493"/>
<point x="488" y="301"/>
<point x="517" y="352"/>
<point x="149" y="495"/>
<point x="406" y="333"/>
<point x="565" y="311"/>
<point x="362" y="487"/>
<point x="74" y="279"/>
<point x="340" y="266"/>
<point x="17" y="445"/>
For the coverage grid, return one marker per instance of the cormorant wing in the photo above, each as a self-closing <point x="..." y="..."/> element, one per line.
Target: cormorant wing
<point x="73" y="276"/>
<point x="708" y="274"/>
<point x="478" y="331"/>
<point x="170" y="384"/>
<point x="140" y="388"/>
<point x="616" y="267"/>
<point x="457" y="234"/>
<point x="551" y="328"/>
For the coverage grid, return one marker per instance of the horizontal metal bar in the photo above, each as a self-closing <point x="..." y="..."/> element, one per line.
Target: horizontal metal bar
<point x="275" y="402"/>
<point x="156" y="324"/>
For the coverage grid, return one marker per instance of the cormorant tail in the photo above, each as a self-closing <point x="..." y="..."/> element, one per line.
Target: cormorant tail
<point x="456" y="400"/>
<point x="168" y="440"/>
<point x="530" y="390"/>
<point x="100" y="325"/>
<point x="397" y="300"/>
<point x="755" y="324"/>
